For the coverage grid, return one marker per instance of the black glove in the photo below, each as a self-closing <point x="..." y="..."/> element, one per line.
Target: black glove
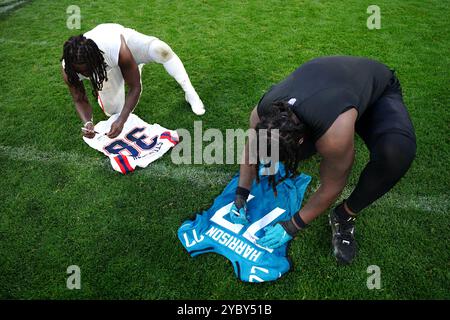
<point x="238" y="211"/>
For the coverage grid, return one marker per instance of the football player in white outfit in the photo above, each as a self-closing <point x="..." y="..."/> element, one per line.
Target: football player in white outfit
<point x="111" y="56"/>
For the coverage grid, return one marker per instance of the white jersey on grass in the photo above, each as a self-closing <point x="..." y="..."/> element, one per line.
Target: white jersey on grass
<point x="138" y="144"/>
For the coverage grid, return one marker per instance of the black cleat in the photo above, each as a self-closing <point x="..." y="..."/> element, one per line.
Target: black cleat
<point x="343" y="239"/>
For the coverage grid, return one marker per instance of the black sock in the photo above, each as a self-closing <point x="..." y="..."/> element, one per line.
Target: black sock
<point x="342" y="213"/>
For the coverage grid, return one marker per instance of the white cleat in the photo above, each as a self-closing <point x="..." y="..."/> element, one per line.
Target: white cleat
<point x="196" y="104"/>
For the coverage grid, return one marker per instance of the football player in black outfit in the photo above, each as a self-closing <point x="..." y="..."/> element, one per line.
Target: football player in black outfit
<point x="318" y="108"/>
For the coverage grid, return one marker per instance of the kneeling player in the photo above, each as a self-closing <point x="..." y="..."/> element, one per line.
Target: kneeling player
<point x="319" y="107"/>
<point x="111" y="56"/>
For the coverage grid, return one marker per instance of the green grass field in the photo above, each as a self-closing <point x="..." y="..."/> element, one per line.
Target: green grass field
<point x="61" y="204"/>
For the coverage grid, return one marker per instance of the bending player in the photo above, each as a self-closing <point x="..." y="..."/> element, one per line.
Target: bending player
<point x="111" y="56"/>
<point x="319" y="107"/>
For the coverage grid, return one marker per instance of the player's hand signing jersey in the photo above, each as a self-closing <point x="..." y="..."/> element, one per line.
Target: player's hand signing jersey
<point x="139" y="143"/>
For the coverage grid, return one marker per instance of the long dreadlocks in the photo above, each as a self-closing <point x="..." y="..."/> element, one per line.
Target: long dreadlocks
<point x="80" y="50"/>
<point x="291" y="151"/>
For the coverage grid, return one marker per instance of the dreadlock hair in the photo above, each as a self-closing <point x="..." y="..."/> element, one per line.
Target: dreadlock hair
<point x="80" y="50"/>
<point x="291" y="152"/>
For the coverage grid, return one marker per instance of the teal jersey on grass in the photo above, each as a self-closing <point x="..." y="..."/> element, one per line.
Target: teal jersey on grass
<point x="213" y="231"/>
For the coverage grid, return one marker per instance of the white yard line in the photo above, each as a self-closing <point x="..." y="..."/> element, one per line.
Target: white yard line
<point x="11" y="6"/>
<point x="191" y="174"/>
<point x="23" y="42"/>
<point x="7" y="2"/>
<point x="199" y="176"/>
<point x="432" y="204"/>
<point x="436" y="203"/>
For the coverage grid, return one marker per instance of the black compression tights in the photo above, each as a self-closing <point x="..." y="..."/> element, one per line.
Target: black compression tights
<point x="390" y="158"/>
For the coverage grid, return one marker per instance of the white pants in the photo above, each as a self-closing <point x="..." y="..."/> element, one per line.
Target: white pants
<point x="145" y="49"/>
